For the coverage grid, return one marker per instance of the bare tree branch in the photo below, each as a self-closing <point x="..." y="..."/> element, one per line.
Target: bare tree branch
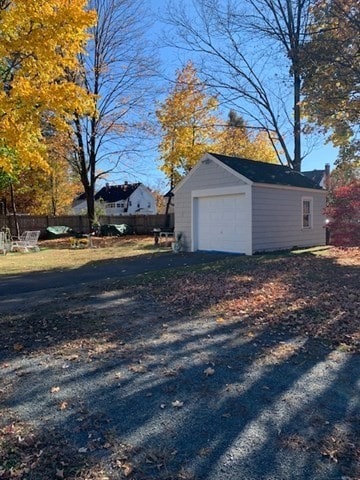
<point x="241" y="47"/>
<point x="117" y="69"/>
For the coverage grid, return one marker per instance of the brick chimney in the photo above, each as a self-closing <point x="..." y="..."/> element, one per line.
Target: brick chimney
<point x="327" y="176"/>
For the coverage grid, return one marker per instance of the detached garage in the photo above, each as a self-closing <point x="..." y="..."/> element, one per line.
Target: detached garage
<point x="231" y="204"/>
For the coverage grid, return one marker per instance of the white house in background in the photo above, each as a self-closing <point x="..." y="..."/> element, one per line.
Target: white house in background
<point x="231" y="204"/>
<point x="126" y="199"/>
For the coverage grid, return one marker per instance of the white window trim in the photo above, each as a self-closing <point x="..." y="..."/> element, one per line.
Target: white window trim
<point x="311" y="213"/>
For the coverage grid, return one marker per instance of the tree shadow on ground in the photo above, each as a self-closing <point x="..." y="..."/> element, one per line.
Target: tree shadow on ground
<point x="98" y="271"/>
<point x="243" y="390"/>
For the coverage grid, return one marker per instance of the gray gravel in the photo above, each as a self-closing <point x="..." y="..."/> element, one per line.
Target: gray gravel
<point x="184" y="397"/>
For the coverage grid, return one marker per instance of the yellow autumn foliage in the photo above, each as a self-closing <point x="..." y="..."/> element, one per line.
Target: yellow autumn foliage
<point x="46" y="193"/>
<point x="239" y="142"/>
<point x="188" y="125"/>
<point x="39" y="45"/>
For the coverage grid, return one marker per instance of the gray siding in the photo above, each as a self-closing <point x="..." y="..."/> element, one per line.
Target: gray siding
<point x="206" y="175"/>
<point x="277" y="218"/>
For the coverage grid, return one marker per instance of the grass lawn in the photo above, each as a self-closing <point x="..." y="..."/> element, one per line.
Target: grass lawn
<point x="57" y="254"/>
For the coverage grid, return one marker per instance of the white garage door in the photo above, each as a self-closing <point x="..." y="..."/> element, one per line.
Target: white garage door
<point x="222" y="223"/>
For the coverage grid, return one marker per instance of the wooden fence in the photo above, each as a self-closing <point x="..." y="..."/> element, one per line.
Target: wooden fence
<point x="141" y="224"/>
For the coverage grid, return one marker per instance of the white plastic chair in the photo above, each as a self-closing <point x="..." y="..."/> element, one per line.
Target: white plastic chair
<point x="5" y="240"/>
<point x="27" y="241"/>
<point x="2" y="243"/>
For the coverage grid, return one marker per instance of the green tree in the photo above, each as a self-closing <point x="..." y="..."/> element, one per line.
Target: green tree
<point x="331" y="69"/>
<point x="188" y="124"/>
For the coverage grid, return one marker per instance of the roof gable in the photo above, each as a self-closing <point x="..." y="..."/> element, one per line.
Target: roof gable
<point x="206" y="159"/>
<point x="316" y="176"/>
<point x="268" y="173"/>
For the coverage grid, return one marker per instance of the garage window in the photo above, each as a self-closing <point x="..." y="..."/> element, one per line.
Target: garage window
<point x="307" y="212"/>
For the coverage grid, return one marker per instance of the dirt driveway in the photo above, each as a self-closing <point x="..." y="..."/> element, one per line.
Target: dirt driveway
<point x="113" y="382"/>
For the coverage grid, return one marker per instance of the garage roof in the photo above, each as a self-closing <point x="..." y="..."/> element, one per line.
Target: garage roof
<point x="262" y="172"/>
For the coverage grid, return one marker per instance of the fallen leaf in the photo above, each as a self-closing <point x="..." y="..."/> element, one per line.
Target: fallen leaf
<point x="18" y="346"/>
<point x="220" y="320"/>
<point x="128" y="469"/>
<point x="138" y="368"/>
<point x="177" y="404"/>
<point x="82" y="450"/>
<point x="209" y="371"/>
<point x="204" y="452"/>
<point x="63" y="405"/>
<point x="59" y="473"/>
<point x="54" y="389"/>
<point x="72" y="357"/>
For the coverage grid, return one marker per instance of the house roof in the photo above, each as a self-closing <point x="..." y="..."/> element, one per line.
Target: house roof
<point x="262" y="172"/>
<point x="315" y="175"/>
<point x="115" y="193"/>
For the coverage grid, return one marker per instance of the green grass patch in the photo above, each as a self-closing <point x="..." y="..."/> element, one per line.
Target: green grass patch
<point x="60" y="256"/>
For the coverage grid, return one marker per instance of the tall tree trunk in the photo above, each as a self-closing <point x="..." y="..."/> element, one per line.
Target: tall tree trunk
<point x="168" y="203"/>
<point x="297" y="123"/>
<point x="84" y="171"/>
<point x="90" y="202"/>
<point x="13" y="207"/>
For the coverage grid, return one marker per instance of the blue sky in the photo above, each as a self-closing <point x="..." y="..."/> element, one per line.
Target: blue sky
<point x="319" y="157"/>
<point x="171" y="59"/>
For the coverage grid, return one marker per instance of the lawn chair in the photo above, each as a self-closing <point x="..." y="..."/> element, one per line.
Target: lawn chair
<point x="2" y="243"/>
<point x="5" y="240"/>
<point x="27" y="241"/>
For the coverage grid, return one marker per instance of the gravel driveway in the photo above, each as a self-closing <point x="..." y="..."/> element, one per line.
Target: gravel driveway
<point x="105" y="384"/>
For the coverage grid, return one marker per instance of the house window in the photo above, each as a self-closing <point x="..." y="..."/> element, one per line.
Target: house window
<point x="307" y="212"/>
<point x="149" y="205"/>
<point x="111" y="205"/>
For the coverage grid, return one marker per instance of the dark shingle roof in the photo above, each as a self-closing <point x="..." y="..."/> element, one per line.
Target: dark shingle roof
<point x="115" y="193"/>
<point x="262" y="172"/>
<point x="315" y="175"/>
